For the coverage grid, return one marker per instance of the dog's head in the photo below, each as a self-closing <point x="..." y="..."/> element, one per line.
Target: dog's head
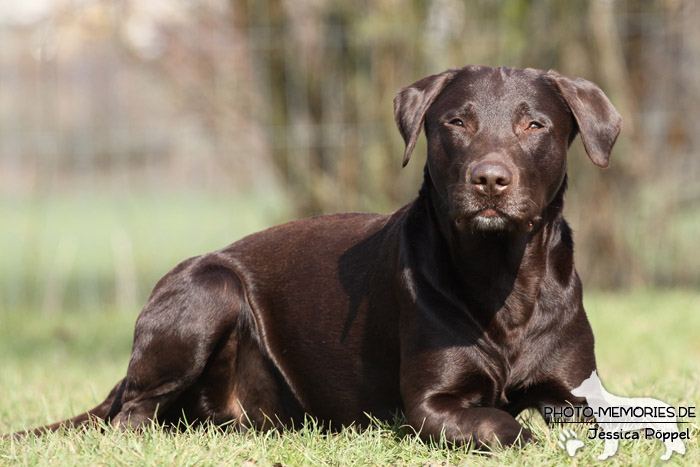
<point x="498" y="137"/>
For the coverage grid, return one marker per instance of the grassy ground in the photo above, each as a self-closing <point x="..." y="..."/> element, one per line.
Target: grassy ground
<point x="61" y="349"/>
<point x="57" y="365"/>
<point x="81" y="250"/>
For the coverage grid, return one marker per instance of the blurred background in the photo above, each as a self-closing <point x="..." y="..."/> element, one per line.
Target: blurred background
<point x="135" y="134"/>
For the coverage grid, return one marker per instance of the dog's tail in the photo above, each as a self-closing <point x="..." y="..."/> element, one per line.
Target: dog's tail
<point x="103" y="412"/>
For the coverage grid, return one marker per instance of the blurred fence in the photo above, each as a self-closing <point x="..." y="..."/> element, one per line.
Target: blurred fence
<point x="295" y="95"/>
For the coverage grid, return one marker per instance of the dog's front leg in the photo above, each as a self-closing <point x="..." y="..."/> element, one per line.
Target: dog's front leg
<point x="446" y="415"/>
<point x="448" y="390"/>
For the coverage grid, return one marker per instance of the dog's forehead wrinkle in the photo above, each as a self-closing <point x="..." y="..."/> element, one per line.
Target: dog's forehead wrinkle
<point x="493" y="98"/>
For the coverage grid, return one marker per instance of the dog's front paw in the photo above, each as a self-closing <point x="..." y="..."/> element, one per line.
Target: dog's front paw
<point x="515" y="437"/>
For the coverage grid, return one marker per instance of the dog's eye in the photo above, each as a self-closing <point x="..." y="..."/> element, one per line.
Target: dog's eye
<point x="534" y="126"/>
<point x="456" y="122"/>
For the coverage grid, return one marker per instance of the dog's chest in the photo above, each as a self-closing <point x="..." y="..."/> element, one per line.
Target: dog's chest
<point x="515" y="344"/>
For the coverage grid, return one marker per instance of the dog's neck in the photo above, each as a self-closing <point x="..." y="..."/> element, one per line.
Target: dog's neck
<point x="486" y="266"/>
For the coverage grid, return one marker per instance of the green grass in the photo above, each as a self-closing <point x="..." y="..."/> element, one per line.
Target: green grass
<point x="57" y="365"/>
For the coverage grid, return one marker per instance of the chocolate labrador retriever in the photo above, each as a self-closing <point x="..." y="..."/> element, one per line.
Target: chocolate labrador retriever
<point x="461" y="309"/>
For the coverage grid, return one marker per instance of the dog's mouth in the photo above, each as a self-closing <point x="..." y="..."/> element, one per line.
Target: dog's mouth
<point x="511" y="213"/>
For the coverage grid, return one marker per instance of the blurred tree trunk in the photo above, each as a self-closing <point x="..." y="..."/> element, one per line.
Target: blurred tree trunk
<point x="610" y="258"/>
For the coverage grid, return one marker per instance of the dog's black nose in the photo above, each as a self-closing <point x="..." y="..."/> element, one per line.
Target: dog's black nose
<point x="491" y="178"/>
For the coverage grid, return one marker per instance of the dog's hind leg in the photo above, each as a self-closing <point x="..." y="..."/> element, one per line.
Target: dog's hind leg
<point x="191" y="310"/>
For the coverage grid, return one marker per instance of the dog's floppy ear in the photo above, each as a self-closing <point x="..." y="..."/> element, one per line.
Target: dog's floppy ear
<point x="598" y="121"/>
<point x="412" y="102"/>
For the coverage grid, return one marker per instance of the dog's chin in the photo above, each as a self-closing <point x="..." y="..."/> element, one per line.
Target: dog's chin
<point x="490" y="224"/>
<point x="491" y="221"/>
